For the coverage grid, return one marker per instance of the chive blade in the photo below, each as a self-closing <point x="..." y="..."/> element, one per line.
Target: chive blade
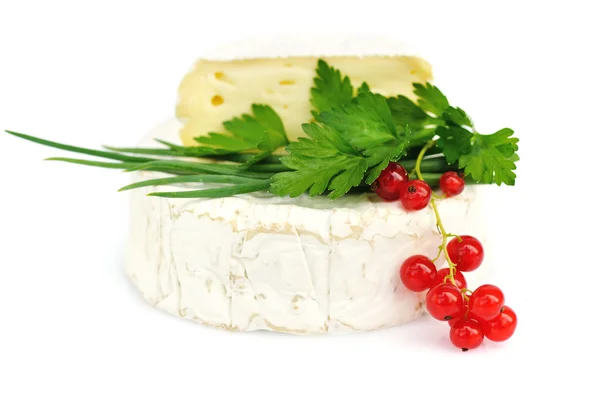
<point x="244" y="158"/>
<point x="110" y="165"/>
<point x="216" y="192"/>
<point x="195" y="151"/>
<point x="166" y="143"/>
<point x="121" y="165"/>
<point x="147" y="151"/>
<point x="191" y="179"/>
<point x="190" y="152"/>
<point x="80" y="150"/>
<point x="200" y="168"/>
<point x="269" y="167"/>
<point x="433" y="164"/>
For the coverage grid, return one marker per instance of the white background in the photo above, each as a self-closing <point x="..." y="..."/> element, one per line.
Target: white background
<point x="93" y="73"/>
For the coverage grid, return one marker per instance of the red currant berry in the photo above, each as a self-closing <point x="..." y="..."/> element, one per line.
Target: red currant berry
<point x="466" y="334"/>
<point x="458" y="277"/>
<point x="452" y="184"/>
<point x="415" y="195"/>
<point x="388" y="184"/>
<point x="444" y="302"/>
<point x="472" y="316"/>
<point x="466" y="252"/>
<point x="466" y="316"/>
<point x="501" y="327"/>
<point x="463" y="316"/>
<point x="486" y="302"/>
<point x="417" y="273"/>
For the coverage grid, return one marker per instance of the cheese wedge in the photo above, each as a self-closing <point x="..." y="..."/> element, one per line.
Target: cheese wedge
<point x="216" y="91"/>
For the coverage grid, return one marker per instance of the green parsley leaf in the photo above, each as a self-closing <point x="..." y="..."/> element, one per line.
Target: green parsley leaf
<point x="263" y="131"/>
<point x="368" y="126"/>
<point x="245" y="134"/>
<point x="487" y="158"/>
<point x="365" y="123"/>
<point x="345" y="146"/>
<point x="330" y="90"/>
<point x="323" y="161"/>
<point x="379" y="157"/>
<point x="406" y="113"/>
<point x="364" y="89"/>
<point x="457" y="117"/>
<point x="492" y="158"/>
<point x="431" y="99"/>
<point x="422" y="119"/>
<point x="453" y="141"/>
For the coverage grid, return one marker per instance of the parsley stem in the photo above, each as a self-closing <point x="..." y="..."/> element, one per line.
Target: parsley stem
<point x="420" y="158"/>
<point x="438" y="219"/>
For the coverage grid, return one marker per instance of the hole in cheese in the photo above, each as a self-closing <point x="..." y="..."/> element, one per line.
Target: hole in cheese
<point x="285" y="106"/>
<point x="287" y="82"/>
<point x="217" y="100"/>
<point x="222" y="77"/>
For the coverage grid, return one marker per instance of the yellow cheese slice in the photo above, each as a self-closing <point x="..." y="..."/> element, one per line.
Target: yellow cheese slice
<point x="216" y="91"/>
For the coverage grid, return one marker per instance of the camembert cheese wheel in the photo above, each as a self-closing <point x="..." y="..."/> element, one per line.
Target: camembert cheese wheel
<point x="302" y="265"/>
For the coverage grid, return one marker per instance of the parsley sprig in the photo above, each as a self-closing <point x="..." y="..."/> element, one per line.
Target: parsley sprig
<point x="346" y="146"/>
<point x="262" y="131"/>
<point x="331" y="89"/>
<point x="354" y="135"/>
<point x="486" y="158"/>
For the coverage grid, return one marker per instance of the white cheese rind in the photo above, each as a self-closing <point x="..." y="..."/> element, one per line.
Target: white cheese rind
<point x="310" y="45"/>
<point x="299" y="265"/>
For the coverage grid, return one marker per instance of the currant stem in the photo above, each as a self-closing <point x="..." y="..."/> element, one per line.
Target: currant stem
<point x="438" y="220"/>
<point x="440" y="250"/>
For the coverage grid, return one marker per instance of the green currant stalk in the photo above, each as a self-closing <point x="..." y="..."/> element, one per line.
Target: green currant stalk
<point x="438" y="220"/>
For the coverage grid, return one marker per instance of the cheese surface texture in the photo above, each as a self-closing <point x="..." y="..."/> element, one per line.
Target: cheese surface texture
<point x="260" y="262"/>
<point x="215" y="91"/>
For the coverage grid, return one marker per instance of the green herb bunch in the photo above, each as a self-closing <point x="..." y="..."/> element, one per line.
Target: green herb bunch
<point x="355" y="134"/>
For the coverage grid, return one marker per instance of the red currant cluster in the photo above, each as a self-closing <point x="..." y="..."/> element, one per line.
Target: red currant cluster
<point x="393" y="184"/>
<point x="472" y="315"/>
